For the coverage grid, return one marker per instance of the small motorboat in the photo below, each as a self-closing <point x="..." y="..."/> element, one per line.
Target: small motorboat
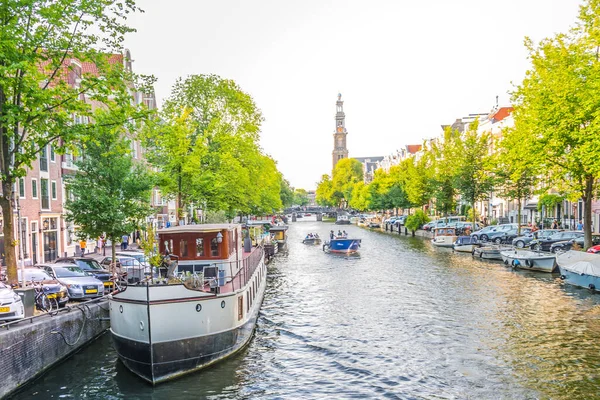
<point x="444" y="237"/>
<point x="465" y="244"/>
<point x="490" y="252"/>
<point x="580" y="269"/>
<point x="313" y="239"/>
<point x="342" y="220"/>
<point x="342" y="245"/>
<point x="373" y="225"/>
<point x="529" y="259"/>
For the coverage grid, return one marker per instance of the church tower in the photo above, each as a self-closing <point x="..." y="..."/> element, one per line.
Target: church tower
<point x="339" y="135"/>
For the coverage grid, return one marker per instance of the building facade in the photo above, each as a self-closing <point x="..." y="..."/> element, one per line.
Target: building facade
<point x="340" y="149"/>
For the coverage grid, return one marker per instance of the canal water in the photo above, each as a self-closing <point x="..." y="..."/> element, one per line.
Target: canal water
<point x="402" y="320"/>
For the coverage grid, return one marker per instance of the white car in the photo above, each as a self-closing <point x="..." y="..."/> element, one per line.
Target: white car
<point x="11" y="306"/>
<point x="128" y="265"/>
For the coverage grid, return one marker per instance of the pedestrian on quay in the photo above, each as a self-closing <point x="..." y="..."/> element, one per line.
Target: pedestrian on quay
<point x="554" y="225"/>
<point x="124" y="241"/>
<point x="580" y="225"/>
<point x="82" y="245"/>
<point x="100" y="244"/>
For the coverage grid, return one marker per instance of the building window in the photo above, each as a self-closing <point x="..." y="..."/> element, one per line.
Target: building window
<point x="53" y="190"/>
<point x="24" y="225"/>
<point x="183" y="248"/>
<point x="34" y="188"/>
<point x="22" y="188"/>
<point x="199" y="247"/>
<point x="44" y="159"/>
<point x="52" y="155"/>
<point x="214" y="248"/>
<point x="45" y="194"/>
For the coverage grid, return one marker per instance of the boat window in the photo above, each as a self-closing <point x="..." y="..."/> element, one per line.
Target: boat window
<point x="240" y="307"/>
<point x="214" y="248"/>
<point x="183" y="248"/>
<point x="247" y="301"/>
<point x="199" y="247"/>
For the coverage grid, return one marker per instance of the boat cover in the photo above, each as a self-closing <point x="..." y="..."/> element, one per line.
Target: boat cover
<point x="466" y="240"/>
<point x="580" y="263"/>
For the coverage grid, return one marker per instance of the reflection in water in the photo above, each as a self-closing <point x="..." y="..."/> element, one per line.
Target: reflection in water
<point x="402" y="320"/>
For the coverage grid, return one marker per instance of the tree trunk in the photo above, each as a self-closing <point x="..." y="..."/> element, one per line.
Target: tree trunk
<point x="519" y="217"/>
<point x="587" y="211"/>
<point x="9" y="243"/>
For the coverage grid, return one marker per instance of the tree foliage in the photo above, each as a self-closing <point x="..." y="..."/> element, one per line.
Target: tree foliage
<point x="41" y="88"/>
<point x="110" y="192"/>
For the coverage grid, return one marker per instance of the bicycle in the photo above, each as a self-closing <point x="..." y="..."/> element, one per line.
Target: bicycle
<point x="44" y="302"/>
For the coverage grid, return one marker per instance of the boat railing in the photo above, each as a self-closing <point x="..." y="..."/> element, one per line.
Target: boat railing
<point x="223" y="277"/>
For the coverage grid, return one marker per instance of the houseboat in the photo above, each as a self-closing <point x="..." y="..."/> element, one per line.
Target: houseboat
<point x="444" y="237"/>
<point x="279" y="234"/>
<point x="204" y="310"/>
<point x="342" y="220"/>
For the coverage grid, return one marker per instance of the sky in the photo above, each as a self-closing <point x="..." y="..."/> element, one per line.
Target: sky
<point x="403" y="67"/>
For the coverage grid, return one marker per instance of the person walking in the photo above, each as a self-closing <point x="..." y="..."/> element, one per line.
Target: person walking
<point x="124" y="241"/>
<point x="580" y="225"/>
<point x="82" y="245"/>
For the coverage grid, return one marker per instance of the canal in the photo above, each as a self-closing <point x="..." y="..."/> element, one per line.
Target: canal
<point x="402" y="320"/>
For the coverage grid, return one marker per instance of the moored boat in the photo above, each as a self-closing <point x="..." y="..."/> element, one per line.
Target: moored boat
<point x="203" y="311"/>
<point x="280" y="235"/>
<point x="342" y="220"/>
<point x="530" y="260"/>
<point x="490" y="252"/>
<point x="580" y="269"/>
<point x="444" y="237"/>
<point x="465" y="244"/>
<point x="342" y="245"/>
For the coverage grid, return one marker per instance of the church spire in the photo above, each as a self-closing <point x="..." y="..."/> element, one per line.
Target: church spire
<point x="339" y="135"/>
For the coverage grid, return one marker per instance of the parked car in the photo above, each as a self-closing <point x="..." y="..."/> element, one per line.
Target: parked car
<point x="505" y="236"/>
<point x="524" y="240"/>
<point x="79" y="284"/>
<point x="52" y="288"/>
<point x="544" y="244"/>
<point x="138" y="255"/>
<point x="129" y="266"/>
<point x="568" y="244"/>
<point x="89" y="266"/>
<point x="484" y="234"/>
<point x="438" y="223"/>
<point x="11" y="306"/>
<point x="462" y="227"/>
<point x="594" y="249"/>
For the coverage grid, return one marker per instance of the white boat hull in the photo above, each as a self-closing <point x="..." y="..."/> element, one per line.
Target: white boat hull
<point x="530" y="260"/>
<point x="465" y="248"/>
<point x="444" y="241"/>
<point x="161" y="332"/>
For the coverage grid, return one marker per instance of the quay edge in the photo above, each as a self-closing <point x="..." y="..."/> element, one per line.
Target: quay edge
<point x="32" y="346"/>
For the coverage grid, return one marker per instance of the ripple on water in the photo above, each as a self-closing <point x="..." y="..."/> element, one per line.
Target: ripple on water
<point x="403" y="320"/>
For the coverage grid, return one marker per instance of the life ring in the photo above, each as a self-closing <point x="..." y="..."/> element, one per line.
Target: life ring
<point x="592" y="286"/>
<point x="563" y="277"/>
<point x="529" y="263"/>
<point x="505" y="262"/>
<point x="515" y="263"/>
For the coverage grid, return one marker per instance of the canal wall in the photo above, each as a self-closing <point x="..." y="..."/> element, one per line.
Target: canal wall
<point x="32" y="346"/>
<point x="404" y="232"/>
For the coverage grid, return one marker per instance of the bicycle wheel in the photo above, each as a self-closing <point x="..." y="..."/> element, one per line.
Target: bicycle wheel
<point x="53" y="305"/>
<point x="42" y="302"/>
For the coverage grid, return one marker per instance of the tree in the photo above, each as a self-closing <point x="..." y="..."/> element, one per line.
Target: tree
<point x="40" y="86"/>
<point x="301" y="197"/>
<point x="443" y="161"/>
<point x="473" y="178"/>
<point x="558" y="104"/>
<point x="515" y="169"/>
<point x="416" y="220"/>
<point x="360" y="197"/>
<point x="206" y="147"/>
<point x="286" y="193"/>
<point x="346" y="174"/>
<point x="110" y="194"/>
<point x="324" y="193"/>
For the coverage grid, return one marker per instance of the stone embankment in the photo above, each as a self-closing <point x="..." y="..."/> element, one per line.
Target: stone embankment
<point x="33" y="345"/>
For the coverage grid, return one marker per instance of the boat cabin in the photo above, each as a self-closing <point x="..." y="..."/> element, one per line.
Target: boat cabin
<point x="466" y="240"/>
<point x="279" y="233"/>
<point x="199" y="246"/>
<point x="444" y="232"/>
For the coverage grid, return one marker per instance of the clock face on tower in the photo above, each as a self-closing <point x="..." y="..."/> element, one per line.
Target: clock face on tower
<point x="339" y="128"/>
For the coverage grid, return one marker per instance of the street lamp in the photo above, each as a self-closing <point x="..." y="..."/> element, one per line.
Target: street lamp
<point x="219" y="237"/>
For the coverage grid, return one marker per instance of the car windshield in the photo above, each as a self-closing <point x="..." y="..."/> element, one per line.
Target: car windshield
<point x="68" y="272"/>
<point x="140" y="257"/>
<point x="556" y="236"/>
<point x="130" y="262"/>
<point x="35" y="275"/>
<point x="87" y="265"/>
